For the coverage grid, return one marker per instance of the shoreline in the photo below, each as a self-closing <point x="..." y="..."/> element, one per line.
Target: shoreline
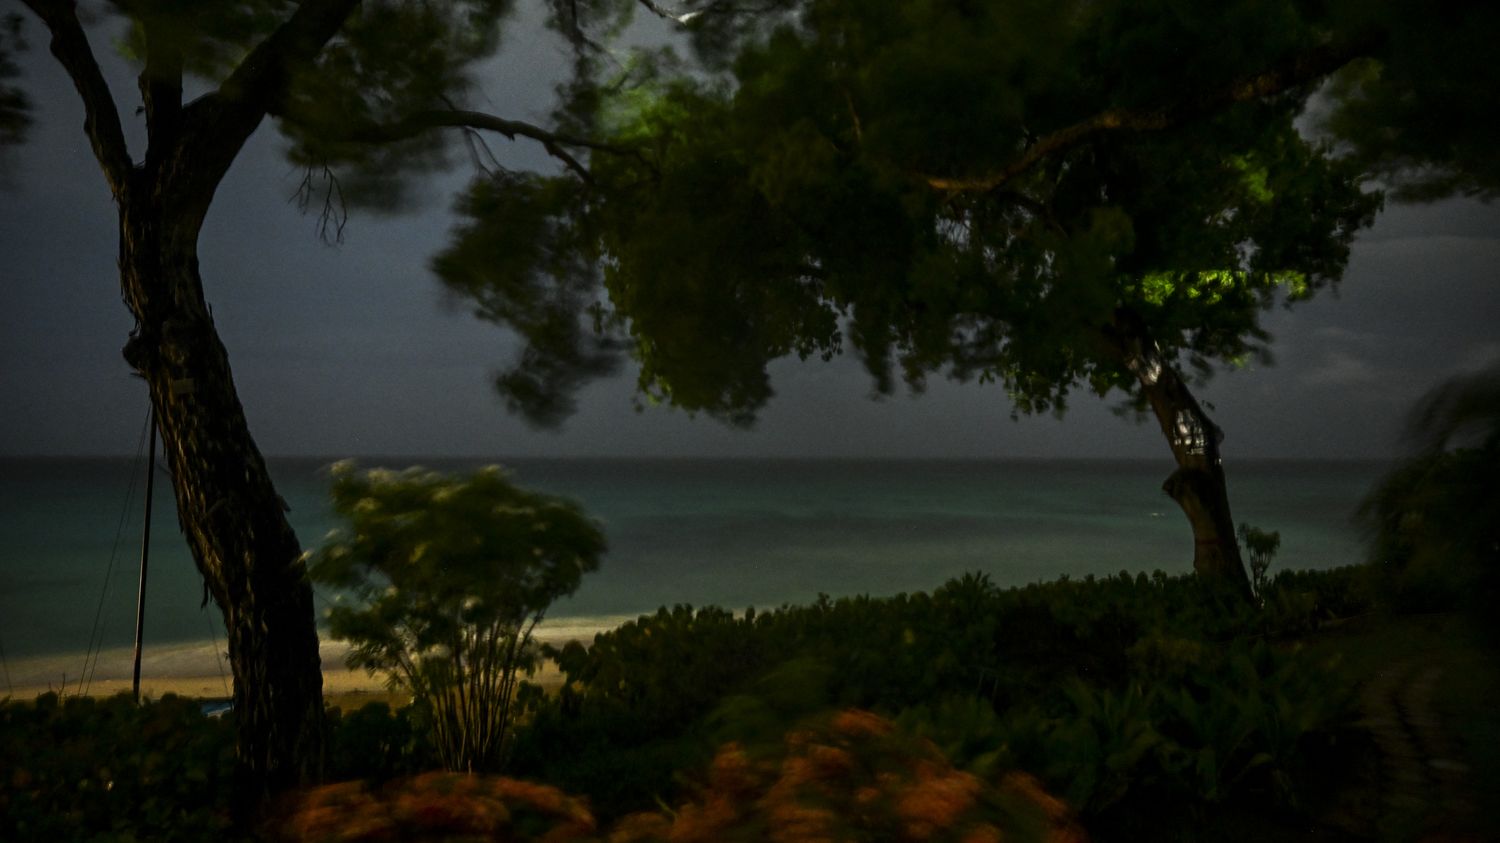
<point x="196" y="670"/>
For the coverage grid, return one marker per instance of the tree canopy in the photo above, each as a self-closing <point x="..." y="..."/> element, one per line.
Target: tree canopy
<point x="1419" y="112"/>
<point x="836" y="185"/>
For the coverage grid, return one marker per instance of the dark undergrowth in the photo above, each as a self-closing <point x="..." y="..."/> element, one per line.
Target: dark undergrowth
<point x="1150" y="706"/>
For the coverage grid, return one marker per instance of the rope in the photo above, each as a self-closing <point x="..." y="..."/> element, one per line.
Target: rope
<point x="10" y="690"/>
<point x="214" y="635"/>
<point x="96" y="635"/>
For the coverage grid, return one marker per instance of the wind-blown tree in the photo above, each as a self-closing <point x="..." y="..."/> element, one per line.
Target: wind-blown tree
<point x="1049" y="196"/>
<point x="369" y="94"/>
<point x="1435" y="516"/>
<point x="449" y="577"/>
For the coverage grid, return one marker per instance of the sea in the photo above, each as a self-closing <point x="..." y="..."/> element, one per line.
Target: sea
<point x="729" y="532"/>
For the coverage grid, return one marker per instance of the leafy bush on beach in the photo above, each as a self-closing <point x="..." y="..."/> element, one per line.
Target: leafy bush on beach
<point x="449" y="578"/>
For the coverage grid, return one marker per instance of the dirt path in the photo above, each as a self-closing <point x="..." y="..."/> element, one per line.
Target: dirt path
<point x="1425" y="789"/>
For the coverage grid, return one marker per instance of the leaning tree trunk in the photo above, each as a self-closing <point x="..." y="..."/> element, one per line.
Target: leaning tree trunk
<point x="1198" y="484"/>
<point x="234" y="521"/>
<point x="232" y="517"/>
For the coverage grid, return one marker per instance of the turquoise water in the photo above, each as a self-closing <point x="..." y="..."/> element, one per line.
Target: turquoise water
<point x="730" y="532"/>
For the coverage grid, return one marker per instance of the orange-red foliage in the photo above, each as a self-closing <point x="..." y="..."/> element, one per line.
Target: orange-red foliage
<point x="850" y="777"/>
<point x="437" y="807"/>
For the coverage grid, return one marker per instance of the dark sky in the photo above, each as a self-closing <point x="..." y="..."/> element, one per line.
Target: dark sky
<point x="352" y="350"/>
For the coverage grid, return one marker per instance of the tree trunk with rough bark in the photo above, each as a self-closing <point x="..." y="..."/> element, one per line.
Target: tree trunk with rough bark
<point x="1198" y="485"/>
<point x="234" y="521"/>
<point x="227" y="507"/>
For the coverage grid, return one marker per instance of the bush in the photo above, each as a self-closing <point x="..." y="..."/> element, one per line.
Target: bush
<point x="1261" y="547"/>
<point x="450" y="576"/>
<point x="1434" y="519"/>
<point x="851" y="776"/>
<point x="1070" y="669"/>
<point x="377" y="744"/>
<point x="84" y="769"/>
<point x="434" y="807"/>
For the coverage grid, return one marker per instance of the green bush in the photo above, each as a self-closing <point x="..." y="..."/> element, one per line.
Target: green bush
<point x="450" y="576"/>
<point x="81" y="769"/>
<point x="376" y="743"/>
<point x="1128" y="678"/>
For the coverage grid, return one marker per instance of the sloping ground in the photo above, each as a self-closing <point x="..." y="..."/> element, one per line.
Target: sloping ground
<point x="1430" y="700"/>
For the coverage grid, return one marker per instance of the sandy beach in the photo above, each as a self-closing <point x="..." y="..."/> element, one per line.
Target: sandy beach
<point x="197" y="670"/>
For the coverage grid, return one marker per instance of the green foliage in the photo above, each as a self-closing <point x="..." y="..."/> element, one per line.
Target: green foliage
<point x="111" y="770"/>
<point x="1434" y="519"/>
<point x="1119" y="691"/>
<point x="448" y="579"/>
<point x="1261" y="546"/>
<point x="1137" y="699"/>
<point x="392" y="60"/>
<point x="517" y="227"/>
<point x="84" y="769"/>
<point x="1417" y="112"/>
<point x="376" y="743"/>
<point x="785" y="205"/>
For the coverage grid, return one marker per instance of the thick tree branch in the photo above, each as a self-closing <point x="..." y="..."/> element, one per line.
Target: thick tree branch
<point x="260" y="80"/>
<point x="555" y="143"/>
<point x="216" y="125"/>
<point x="161" y="95"/>
<point x="101" y="120"/>
<point x="1298" y="69"/>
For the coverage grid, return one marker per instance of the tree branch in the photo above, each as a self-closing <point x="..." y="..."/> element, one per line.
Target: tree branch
<point x="260" y="80"/>
<point x="101" y="121"/>
<point x="160" y="83"/>
<point x="216" y="125"/>
<point x="1295" y="70"/>
<point x="717" y="8"/>
<point x="555" y="143"/>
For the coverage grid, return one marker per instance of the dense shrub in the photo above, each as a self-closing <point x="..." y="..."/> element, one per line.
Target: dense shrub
<point x="449" y="577"/>
<point x="1140" y="700"/>
<point x="847" y="776"/>
<point x="85" y="769"/>
<point x="377" y="743"/>
<point x="852" y="776"/>
<point x="1152" y="683"/>
<point x="434" y="807"/>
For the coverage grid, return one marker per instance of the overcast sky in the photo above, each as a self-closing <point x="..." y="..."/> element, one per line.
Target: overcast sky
<point x="351" y="350"/>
